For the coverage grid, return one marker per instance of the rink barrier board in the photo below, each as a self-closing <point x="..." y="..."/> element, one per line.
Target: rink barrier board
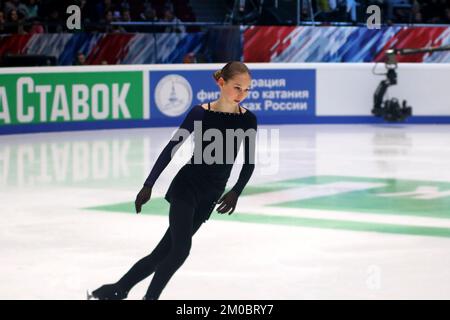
<point x="161" y="95"/>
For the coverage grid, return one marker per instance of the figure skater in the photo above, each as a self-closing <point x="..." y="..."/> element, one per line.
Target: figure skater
<point x="199" y="184"/>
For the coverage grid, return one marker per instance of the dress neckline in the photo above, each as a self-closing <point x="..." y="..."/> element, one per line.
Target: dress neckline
<point x="222" y="112"/>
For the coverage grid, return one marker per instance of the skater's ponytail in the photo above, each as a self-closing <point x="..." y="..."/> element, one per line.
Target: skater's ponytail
<point x="230" y="70"/>
<point x="217" y="75"/>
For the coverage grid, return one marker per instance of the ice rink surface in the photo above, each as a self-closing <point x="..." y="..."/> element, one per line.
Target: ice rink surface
<point x="331" y="212"/>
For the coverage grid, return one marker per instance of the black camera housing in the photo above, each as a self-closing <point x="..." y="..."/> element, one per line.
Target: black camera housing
<point x="391" y="111"/>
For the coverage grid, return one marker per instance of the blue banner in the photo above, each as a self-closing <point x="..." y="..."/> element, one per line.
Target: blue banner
<point x="276" y="96"/>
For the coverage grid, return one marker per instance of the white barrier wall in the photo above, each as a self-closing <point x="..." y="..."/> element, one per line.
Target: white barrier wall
<point x="347" y="89"/>
<point x="101" y="97"/>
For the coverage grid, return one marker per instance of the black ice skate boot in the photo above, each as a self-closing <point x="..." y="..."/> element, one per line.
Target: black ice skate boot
<point x="108" y="292"/>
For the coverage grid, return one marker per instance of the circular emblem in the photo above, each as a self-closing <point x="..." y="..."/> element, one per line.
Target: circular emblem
<point x="173" y="95"/>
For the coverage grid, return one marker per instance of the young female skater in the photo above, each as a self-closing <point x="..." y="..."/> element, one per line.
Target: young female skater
<point x="198" y="185"/>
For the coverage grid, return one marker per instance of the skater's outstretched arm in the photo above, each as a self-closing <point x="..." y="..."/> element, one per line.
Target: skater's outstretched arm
<point x="185" y="129"/>
<point x="195" y="114"/>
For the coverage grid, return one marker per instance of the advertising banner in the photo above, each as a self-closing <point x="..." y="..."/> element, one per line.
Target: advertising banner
<point x="57" y="99"/>
<point x="275" y="95"/>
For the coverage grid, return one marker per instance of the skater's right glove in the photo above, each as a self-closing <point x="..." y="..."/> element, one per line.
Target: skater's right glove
<point x="142" y="197"/>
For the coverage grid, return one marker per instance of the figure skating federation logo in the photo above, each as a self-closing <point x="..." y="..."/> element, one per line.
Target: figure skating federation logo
<point x="173" y="95"/>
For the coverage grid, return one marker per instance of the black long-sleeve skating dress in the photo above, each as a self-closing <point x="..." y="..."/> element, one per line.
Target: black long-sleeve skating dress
<point x="198" y="182"/>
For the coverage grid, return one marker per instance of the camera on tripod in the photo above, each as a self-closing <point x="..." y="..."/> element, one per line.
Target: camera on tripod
<point x="390" y="110"/>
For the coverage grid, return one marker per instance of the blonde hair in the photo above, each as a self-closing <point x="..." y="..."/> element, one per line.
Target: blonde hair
<point x="230" y="70"/>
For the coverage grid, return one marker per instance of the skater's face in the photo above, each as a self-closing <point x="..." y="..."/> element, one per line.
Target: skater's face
<point x="235" y="89"/>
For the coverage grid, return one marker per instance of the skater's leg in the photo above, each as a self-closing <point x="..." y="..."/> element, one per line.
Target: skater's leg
<point x="138" y="272"/>
<point x="147" y="265"/>
<point x="142" y="269"/>
<point x="181" y="218"/>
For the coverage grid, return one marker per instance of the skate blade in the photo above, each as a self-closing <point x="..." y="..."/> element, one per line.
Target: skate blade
<point x="90" y="296"/>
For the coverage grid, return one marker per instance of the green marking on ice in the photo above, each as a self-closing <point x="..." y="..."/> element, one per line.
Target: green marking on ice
<point x="400" y="197"/>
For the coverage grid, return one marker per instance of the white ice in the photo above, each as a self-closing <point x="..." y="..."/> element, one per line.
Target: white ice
<point x="51" y="247"/>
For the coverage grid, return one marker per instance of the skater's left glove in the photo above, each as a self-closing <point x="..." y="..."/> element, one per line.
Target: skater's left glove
<point x="228" y="202"/>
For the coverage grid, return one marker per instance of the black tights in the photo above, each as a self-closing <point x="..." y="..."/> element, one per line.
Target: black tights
<point x="169" y="254"/>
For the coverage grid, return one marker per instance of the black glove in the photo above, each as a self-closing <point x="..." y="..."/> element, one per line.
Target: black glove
<point x="227" y="202"/>
<point x="142" y="197"/>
